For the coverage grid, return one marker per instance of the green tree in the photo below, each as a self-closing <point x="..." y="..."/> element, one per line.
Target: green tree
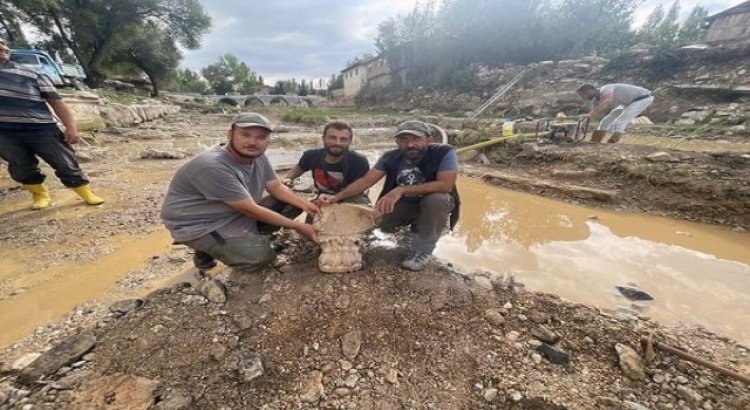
<point x="231" y="74"/>
<point x="153" y="51"/>
<point x="94" y="29"/>
<point x="188" y="81"/>
<point x="692" y="29"/>
<point x="336" y="82"/>
<point x="10" y="26"/>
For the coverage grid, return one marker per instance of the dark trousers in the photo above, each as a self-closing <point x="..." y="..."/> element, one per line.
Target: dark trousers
<point x="20" y="150"/>
<point x="428" y="218"/>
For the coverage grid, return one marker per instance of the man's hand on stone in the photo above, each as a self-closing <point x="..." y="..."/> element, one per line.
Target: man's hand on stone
<point x="386" y="204"/>
<point x="307" y="231"/>
<point x="327" y="199"/>
<point x="311" y="209"/>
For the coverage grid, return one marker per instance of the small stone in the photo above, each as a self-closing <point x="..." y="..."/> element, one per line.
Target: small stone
<point x="124" y="306"/>
<point x="342" y="392"/>
<point x="536" y="358"/>
<point x="607" y="402"/>
<point x="343" y="301"/>
<point x="3" y="397"/>
<point x="494" y="317"/>
<point x="512" y="335"/>
<point x="661" y="156"/>
<point x="681" y="379"/>
<point x="522" y="318"/>
<point x="391" y="376"/>
<point x="345" y="365"/>
<point x="312" y="387"/>
<point x="689" y="395"/>
<point x="214" y="291"/>
<point x="508" y="305"/>
<point x="25" y="360"/>
<point x="630" y="363"/>
<point x="533" y="343"/>
<point x="658" y="378"/>
<point x="351" y="380"/>
<point x="351" y="343"/>
<point x="489" y="394"/>
<point x="176" y="399"/>
<point x="554" y="354"/>
<point x="250" y="365"/>
<point x="515" y="395"/>
<point x="629" y="405"/>
<point x="545" y="334"/>
<point x="64" y="353"/>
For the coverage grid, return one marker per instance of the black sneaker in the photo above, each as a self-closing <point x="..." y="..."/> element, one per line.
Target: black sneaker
<point x="202" y="260"/>
<point x="416" y="261"/>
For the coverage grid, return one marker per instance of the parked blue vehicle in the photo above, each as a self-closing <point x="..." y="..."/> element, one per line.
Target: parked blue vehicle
<point x="62" y="75"/>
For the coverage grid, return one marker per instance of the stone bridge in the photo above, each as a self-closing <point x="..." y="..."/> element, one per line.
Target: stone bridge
<point x="265" y="100"/>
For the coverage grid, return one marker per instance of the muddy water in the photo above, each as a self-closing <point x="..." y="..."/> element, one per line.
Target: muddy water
<point x="698" y="274"/>
<point x="52" y="292"/>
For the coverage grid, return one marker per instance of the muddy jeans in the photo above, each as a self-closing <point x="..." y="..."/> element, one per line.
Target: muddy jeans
<point x="21" y="149"/>
<point x="428" y="218"/>
<point x="246" y="254"/>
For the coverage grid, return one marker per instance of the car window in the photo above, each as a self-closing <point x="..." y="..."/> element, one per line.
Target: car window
<point x="24" y="59"/>
<point x="44" y="61"/>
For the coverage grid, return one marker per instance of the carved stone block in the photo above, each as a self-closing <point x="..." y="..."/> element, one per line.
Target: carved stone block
<point x="340" y="227"/>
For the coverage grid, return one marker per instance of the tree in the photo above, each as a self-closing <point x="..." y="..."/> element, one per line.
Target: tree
<point x="10" y="26"/>
<point x="94" y="29"/>
<point x="188" y="81"/>
<point x="692" y="29"/>
<point x="230" y="74"/>
<point x="336" y="82"/>
<point x="153" y="51"/>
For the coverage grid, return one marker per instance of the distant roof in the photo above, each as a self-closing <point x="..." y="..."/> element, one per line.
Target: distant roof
<point x="738" y="9"/>
<point x="363" y="62"/>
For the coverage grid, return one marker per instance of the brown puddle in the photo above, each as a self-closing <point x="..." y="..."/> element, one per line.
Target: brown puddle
<point x="698" y="274"/>
<point x="55" y="291"/>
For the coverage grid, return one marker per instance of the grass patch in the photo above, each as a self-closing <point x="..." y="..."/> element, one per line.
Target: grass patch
<point x="312" y="116"/>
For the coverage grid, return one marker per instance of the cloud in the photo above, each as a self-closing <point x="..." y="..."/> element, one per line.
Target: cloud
<point x="313" y="39"/>
<point x="282" y="39"/>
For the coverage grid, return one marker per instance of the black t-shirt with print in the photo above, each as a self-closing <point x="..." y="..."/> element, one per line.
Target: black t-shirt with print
<point x="332" y="178"/>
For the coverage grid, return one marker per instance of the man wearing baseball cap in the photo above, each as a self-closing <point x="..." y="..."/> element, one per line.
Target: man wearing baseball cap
<point x="212" y="204"/>
<point x="419" y="189"/>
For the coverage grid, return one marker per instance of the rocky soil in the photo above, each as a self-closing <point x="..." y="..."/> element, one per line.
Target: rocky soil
<point x="381" y="338"/>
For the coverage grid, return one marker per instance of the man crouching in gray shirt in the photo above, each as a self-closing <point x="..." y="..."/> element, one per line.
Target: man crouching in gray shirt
<point x="213" y="202"/>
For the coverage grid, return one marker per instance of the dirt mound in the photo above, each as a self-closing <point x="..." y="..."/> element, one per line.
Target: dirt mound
<point x="381" y="338"/>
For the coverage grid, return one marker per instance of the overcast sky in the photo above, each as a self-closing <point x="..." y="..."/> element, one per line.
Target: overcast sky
<point x="311" y="39"/>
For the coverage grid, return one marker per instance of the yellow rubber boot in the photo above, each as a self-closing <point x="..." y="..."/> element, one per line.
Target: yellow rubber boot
<point x="84" y="191"/>
<point x="40" y="195"/>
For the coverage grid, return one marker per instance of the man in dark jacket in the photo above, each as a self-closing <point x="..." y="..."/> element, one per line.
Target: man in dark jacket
<point x="419" y="189"/>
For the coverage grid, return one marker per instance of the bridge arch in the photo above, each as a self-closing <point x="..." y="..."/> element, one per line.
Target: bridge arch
<point x="254" y="102"/>
<point x="228" y="101"/>
<point x="279" y="100"/>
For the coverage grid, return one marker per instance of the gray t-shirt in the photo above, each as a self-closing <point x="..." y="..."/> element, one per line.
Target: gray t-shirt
<point x="195" y="203"/>
<point x="623" y="94"/>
